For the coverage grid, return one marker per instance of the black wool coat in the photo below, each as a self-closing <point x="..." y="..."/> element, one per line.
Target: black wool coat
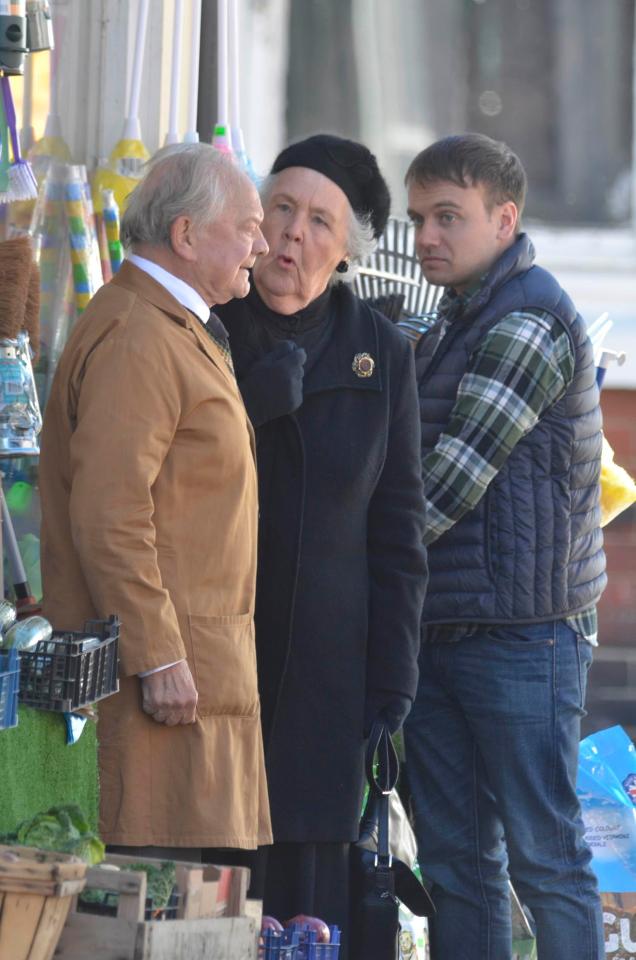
<point x="342" y="569"/>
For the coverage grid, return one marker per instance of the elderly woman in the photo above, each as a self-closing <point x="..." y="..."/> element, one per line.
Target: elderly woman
<point x="329" y="386"/>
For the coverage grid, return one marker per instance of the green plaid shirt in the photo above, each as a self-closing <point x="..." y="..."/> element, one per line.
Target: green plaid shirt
<point x="521" y="368"/>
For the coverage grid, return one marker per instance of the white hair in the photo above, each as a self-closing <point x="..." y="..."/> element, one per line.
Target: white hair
<point x="360" y="239"/>
<point x="360" y="245"/>
<point x="192" y="179"/>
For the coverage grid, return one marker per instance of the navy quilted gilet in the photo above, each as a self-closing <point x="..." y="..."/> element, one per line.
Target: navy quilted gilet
<point x="532" y="549"/>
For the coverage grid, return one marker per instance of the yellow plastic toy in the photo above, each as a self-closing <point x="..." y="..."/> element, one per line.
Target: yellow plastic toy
<point x="123" y="171"/>
<point x="618" y="490"/>
<point x="53" y="147"/>
<point x="107" y="178"/>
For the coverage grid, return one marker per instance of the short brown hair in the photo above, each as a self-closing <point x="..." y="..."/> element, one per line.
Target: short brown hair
<point x="470" y="159"/>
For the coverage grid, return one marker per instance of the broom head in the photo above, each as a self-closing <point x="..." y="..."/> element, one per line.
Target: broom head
<point x="15" y="268"/>
<point x="22" y="182"/>
<point x="32" y="310"/>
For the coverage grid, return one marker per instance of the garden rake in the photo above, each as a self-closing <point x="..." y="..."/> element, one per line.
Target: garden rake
<point x="391" y="279"/>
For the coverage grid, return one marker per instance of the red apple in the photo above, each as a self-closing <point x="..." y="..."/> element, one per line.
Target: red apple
<point x="271" y="923"/>
<point x="313" y="923"/>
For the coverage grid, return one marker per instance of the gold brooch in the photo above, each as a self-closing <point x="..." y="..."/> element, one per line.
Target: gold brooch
<point x="363" y="365"/>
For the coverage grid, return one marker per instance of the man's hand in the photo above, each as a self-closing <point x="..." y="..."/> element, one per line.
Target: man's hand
<point x="169" y="695"/>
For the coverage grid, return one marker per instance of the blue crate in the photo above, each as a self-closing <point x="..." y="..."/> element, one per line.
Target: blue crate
<point x="279" y="946"/>
<point x="9" y="683"/>
<point x="299" y="943"/>
<point x="308" y="949"/>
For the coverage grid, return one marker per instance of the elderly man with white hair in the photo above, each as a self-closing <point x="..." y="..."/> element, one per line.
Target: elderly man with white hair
<point x="149" y="507"/>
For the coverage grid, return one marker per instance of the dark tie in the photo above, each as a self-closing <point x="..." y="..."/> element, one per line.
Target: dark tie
<point x="215" y="329"/>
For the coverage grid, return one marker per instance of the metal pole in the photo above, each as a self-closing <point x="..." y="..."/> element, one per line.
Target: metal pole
<point x="1" y="549"/>
<point x="634" y="128"/>
<point x="13" y="550"/>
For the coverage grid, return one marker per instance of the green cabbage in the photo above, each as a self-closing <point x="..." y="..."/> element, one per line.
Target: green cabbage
<point x="64" y="829"/>
<point x="161" y="880"/>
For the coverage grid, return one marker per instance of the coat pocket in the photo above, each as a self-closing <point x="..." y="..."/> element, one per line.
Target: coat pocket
<point x="224" y="661"/>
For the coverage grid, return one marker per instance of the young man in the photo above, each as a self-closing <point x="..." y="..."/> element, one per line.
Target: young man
<point x="511" y="433"/>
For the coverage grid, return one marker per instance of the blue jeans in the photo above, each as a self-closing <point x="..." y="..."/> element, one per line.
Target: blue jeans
<point x="492" y="751"/>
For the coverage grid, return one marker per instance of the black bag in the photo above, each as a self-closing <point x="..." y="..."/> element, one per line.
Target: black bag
<point x="379" y="882"/>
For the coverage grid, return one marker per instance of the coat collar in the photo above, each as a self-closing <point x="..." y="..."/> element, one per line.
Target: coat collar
<point x="187" y="296"/>
<point x="516" y="259"/>
<point x="143" y="285"/>
<point x="461" y="312"/>
<point x="355" y="331"/>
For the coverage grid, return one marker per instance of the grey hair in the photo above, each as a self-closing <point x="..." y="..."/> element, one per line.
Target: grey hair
<point x="360" y="243"/>
<point x="360" y="239"/>
<point x="192" y="179"/>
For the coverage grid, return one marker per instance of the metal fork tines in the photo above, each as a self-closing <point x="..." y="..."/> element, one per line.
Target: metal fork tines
<point x="393" y="268"/>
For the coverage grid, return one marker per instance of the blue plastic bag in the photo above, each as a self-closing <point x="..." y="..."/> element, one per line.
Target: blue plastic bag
<point x="606" y="788"/>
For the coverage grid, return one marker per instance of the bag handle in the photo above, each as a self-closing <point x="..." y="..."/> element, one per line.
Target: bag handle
<point x="388" y="768"/>
<point x="381" y="783"/>
<point x="392" y="877"/>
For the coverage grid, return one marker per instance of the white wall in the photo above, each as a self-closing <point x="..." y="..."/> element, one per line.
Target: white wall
<point x="597" y="267"/>
<point x="264" y="27"/>
<point x="95" y="50"/>
<point x="95" y="46"/>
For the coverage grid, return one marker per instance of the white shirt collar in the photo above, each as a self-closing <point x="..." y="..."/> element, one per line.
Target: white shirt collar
<point x="186" y="295"/>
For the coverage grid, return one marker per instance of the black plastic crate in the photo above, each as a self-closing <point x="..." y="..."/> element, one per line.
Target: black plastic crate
<point x="108" y="905"/>
<point x="169" y="912"/>
<point x="72" y="669"/>
<point x="9" y="683"/>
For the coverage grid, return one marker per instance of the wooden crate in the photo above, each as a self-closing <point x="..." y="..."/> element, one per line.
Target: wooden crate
<point x="206" y="890"/>
<point x="199" y="933"/>
<point x="36" y="890"/>
<point x="102" y="938"/>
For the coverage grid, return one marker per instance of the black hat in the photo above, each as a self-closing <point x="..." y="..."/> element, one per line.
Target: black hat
<point x="350" y="165"/>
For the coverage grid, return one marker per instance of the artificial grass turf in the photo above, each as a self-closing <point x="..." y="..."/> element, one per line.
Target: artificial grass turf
<point x="38" y="770"/>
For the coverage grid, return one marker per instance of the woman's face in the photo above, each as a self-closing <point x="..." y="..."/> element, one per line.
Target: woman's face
<point x="306" y="226"/>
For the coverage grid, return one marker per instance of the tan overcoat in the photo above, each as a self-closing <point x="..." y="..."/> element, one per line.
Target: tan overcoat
<point x="149" y="511"/>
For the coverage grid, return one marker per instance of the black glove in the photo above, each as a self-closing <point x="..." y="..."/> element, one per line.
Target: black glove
<point x="273" y="387"/>
<point x="386" y="705"/>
